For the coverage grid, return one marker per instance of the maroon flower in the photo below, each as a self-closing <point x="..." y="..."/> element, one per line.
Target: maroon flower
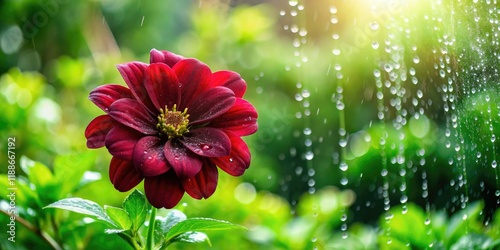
<point x="174" y="124"/>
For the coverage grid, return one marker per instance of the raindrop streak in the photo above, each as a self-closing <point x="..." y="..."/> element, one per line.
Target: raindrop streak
<point x="397" y="90"/>
<point x="494" y="22"/>
<point x="452" y="112"/>
<point x="303" y="95"/>
<point x="417" y="89"/>
<point x="339" y="104"/>
<point x="381" y="115"/>
<point x="481" y="47"/>
<point x="425" y="195"/>
<point x="494" y="150"/>
<point x="419" y="106"/>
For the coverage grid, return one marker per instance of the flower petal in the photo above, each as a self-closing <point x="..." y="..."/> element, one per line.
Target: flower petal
<point x="148" y="156"/>
<point x="240" y="119"/>
<point x="163" y="56"/>
<point x="203" y="184"/>
<point x="133" y="74"/>
<point x="230" y="80"/>
<point x="162" y="86"/>
<point x="194" y="77"/>
<point x="185" y="163"/>
<point x="123" y="175"/>
<point x="238" y="160"/>
<point x="103" y="96"/>
<point x="121" y="142"/>
<point x="131" y="114"/>
<point x="208" y="142"/>
<point x="210" y="104"/>
<point x="163" y="190"/>
<point x="97" y="130"/>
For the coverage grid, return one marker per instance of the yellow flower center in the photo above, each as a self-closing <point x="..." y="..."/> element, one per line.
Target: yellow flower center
<point x="172" y="123"/>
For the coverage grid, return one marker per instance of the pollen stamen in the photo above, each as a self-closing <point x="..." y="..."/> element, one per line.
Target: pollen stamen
<point x="172" y="123"/>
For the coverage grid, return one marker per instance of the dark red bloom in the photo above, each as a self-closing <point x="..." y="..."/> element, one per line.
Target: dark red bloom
<point x="174" y="124"/>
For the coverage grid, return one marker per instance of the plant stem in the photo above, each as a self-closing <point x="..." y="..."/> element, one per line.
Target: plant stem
<point x="129" y="239"/>
<point x="46" y="237"/>
<point x="151" y="239"/>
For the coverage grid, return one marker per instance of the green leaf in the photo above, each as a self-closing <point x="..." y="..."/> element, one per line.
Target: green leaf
<point x="137" y="207"/>
<point x="26" y="164"/>
<point x="38" y="174"/>
<point x="473" y="241"/>
<point x="408" y="226"/>
<point x="193" y="237"/>
<point x="495" y="244"/>
<point x="41" y="180"/>
<point x="173" y="217"/>
<point x="462" y="220"/>
<point x="5" y="184"/>
<point x="83" y="206"/>
<point x="25" y="196"/>
<point x="119" y="216"/>
<point x="114" y="231"/>
<point x="395" y="243"/>
<point x="164" y="224"/>
<point x="199" y="224"/>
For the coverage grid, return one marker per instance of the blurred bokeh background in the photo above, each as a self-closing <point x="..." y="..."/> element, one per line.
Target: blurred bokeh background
<point x="377" y="118"/>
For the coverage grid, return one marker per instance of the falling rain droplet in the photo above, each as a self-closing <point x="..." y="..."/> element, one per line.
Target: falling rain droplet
<point x="388" y="67"/>
<point x="374" y="25"/>
<point x="344" y="181"/>
<point x="343" y="166"/>
<point x="403" y="199"/>
<point x="333" y="10"/>
<point x="309" y="155"/>
<point x="416" y="59"/>
<point x="427" y="221"/>
<point x="307" y="131"/>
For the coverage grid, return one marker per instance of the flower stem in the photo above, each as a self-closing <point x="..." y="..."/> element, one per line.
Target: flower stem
<point x="45" y="236"/>
<point x="130" y="240"/>
<point x="151" y="239"/>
